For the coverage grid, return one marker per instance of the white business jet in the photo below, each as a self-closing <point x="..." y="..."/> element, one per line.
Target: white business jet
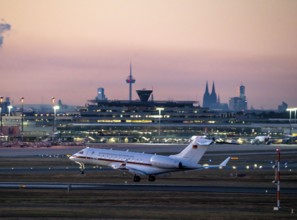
<point x="151" y="165"/>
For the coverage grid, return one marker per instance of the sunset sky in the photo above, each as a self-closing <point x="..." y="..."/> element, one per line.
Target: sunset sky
<point x="69" y="48"/>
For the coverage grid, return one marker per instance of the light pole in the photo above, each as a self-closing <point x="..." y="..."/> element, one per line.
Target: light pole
<point x="9" y="109"/>
<point x="53" y="104"/>
<point x="22" y="101"/>
<point x="53" y="100"/>
<point x="160" y="109"/>
<point x="292" y="110"/>
<point x="1" y="100"/>
<point x="56" y="107"/>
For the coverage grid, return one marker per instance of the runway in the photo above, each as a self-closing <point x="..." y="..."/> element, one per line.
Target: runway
<point x="52" y="162"/>
<point x="143" y="187"/>
<point x="35" y="179"/>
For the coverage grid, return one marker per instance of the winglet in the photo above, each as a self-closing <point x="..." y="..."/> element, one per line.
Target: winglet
<point x="224" y="163"/>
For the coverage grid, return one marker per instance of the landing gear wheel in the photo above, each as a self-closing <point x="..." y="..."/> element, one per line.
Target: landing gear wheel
<point x="151" y="178"/>
<point x="136" y="178"/>
<point x="81" y="167"/>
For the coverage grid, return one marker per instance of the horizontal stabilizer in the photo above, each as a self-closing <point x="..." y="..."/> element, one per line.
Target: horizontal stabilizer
<point x="224" y="163"/>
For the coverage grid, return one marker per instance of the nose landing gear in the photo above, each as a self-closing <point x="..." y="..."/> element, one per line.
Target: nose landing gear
<point x="81" y="167"/>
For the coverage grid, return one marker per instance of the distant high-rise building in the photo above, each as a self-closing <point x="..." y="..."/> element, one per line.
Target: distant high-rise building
<point x="4" y="105"/>
<point x="242" y="91"/>
<point x="235" y="104"/>
<point x="239" y="103"/>
<point x="282" y="107"/>
<point x="100" y="94"/>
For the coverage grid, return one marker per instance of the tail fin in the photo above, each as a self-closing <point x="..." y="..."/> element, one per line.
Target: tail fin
<point x="195" y="150"/>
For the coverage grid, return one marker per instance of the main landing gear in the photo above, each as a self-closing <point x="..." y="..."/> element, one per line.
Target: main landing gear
<point x="136" y="178"/>
<point x="151" y="178"/>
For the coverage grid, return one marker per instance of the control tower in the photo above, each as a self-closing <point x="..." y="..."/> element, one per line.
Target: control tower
<point x="130" y="80"/>
<point x="144" y="94"/>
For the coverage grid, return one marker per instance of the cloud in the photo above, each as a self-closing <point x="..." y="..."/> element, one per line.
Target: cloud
<point x="3" y="27"/>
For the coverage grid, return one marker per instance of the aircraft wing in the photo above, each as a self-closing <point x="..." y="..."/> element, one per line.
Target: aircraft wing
<point x="118" y="166"/>
<point x="125" y="166"/>
<point x="135" y="171"/>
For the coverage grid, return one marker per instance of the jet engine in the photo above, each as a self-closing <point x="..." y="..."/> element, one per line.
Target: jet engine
<point x="165" y="162"/>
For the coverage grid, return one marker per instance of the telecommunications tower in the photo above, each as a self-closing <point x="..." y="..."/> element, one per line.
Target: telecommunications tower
<point x="130" y="80"/>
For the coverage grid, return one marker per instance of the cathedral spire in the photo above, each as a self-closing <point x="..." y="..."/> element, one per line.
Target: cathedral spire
<point x="213" y="96"/>
<point x="213" y="92"/>
<point x="206" y="96"/>
<point x="206" y="89"/>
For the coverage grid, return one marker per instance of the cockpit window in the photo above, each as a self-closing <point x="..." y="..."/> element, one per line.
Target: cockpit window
<point x="81" y="152"/>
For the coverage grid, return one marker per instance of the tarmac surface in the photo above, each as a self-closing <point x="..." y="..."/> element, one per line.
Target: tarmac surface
<point x="44" y="183"/>
<point x="213" y="151"/>
<point x="58" y="152"/>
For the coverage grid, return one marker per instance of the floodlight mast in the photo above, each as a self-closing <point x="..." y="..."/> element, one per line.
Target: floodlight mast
<point x="1" y="100"/>
<point x="22" y="116"/>
<point x="160" y="116"/>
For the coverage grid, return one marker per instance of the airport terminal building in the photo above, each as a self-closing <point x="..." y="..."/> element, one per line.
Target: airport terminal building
<point x="147" y="120"/>
<point x="143" y="120"/>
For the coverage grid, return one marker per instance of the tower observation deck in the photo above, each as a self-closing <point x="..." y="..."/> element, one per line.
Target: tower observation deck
<point x="130" y="80"/>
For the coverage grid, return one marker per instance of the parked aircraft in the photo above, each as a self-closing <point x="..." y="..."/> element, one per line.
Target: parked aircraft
<point x="261" y="140"/>
<point x="151" y="165"/>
